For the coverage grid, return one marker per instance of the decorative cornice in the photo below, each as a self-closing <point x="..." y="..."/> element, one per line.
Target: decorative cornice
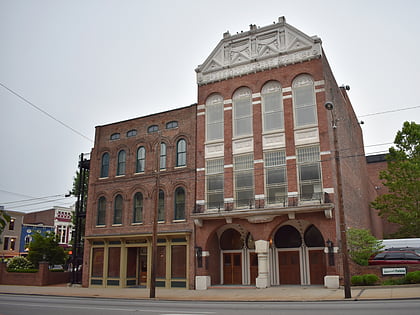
<point x="272" y="46"/>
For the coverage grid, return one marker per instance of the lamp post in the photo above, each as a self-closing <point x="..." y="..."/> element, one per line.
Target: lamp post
<point x="344" y="252"/>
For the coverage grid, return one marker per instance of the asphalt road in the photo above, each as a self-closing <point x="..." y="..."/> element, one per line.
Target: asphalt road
<point x="11" y="304"/>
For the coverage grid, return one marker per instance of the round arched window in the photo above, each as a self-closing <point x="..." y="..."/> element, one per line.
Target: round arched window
<point x="287" y="237"/>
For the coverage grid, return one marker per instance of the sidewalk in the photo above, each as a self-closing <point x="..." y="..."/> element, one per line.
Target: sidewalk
<point x="280" y="293"/>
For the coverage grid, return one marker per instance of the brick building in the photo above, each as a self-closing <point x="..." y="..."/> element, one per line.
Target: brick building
<point x="247" y="177"/>
<point x="123" y="178"/>
<point x="266" y="181"/>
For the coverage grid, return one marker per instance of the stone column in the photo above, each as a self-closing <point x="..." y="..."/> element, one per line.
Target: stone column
<point x="262" y="249"/>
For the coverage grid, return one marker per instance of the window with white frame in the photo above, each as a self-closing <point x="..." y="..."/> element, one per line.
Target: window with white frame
<point x="181" y="153"/>
<point x="242" y="112"/>
<point x="138" y="208"/>
<point x="162" y="156"/>
<point x="272" y="102"/>
<point x="275" y="177"/>
<point x="141" y="159"/>
<point x="215" y="183"/>
<point x="309" y="169"/>
<point x="214" y="117"/>
<point x="304" y="101"/>
<point x="105" y="164"/>
<point x="243" y="167"/>
<point x="121" y="163"/>
<point x="118" y="208"/>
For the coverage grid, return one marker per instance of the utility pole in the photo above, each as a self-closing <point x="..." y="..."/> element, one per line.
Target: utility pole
<point x="152" y="293"/>
<point x="343" y="231"/>
<point x="80" y="214"/>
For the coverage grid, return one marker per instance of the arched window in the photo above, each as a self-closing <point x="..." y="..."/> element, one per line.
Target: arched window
<point x="105" y="164"/>
<point x="100" y="216"/>
<point x="161" y="206"/>
<point x="214" y="117"/>
<point x="162" y="156"/>
<point x="115" y="136"/>
<point x="272" y="101"/>
<point x="118" y="206"/>
<point x="231" y="239"/>
<point x="181" y="153"/>
<point x="141" y="159"/>
<point x="153" y="128"/>
<point x="242" y="112"/>
<point x="172" y="125"/>
<point x="304" y="101"/>
<point x="287" y="237"/>
<point x="179" y="203"/>
<point x="313" y="237"/>
<point x="138" y="208"/>
<point x="121" y="163"/>
<point x="131" y="133"/>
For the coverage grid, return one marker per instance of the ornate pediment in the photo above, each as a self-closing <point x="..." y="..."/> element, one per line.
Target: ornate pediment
<point x="258" y="49"/>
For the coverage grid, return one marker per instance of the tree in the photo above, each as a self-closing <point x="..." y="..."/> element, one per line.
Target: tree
<point x="46" y="248"/>
<point x="4" y="219"/>
<point x="402" y="178"/>
<point x="362" y="245"/>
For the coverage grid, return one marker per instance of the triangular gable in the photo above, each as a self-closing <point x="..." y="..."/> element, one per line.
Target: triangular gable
<point x="258" y="49"/>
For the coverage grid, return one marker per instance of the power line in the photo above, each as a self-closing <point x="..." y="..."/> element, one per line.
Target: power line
<point x="389" y="111"/>
<point x="44" y="112"/>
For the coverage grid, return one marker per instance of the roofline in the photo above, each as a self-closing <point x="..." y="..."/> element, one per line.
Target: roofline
<point x="146" y="116"/>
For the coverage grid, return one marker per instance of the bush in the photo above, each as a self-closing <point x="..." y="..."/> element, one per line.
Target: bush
<point x="357" y="280"/>
<point x="368" y="279"/>
<point x="412" y="277"/>
<point x="19" y="263"/>
<point x="394" y="281"/>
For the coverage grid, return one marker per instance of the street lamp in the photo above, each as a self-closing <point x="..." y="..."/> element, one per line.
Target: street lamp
<point x="344" y="252"/>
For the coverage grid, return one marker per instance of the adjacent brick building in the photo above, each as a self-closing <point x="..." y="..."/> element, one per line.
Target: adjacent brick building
<point x="122" y="198"/>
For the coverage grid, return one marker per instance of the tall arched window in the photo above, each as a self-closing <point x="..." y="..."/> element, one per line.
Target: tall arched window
<point x="161" y="206"/>
<point x="141" y="159"/>
<point x="100" y="216"/>
<point x="118" y="206"/>
<point x="105" y="164"/>
<point x="138" y="208"/>
<point x="272" y="101"/>
<point x="242" y="112"/>
<point x="304" y="101"/>
<point x="121" y="163"/>
<point x="179" y="204"/>
<point x="214" y="117"/>
<point x="162" y="156"/>
<point x="181" y="153"/>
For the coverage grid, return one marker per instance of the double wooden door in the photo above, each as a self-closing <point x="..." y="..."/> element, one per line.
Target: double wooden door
<point x="232" y="268"/>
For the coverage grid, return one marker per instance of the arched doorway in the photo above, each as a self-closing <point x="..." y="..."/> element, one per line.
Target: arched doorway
<point x="315" y="244"/>
<point x="299" y="256"/>
<point x="231" y="245"/>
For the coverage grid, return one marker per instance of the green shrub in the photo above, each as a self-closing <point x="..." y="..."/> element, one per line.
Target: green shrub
<point x="394" y="281"/>
<point x="19" y="263"/>
<point x="368" y="279"/>
<point x="412" y="277"/>
<point x="357" y="280"/>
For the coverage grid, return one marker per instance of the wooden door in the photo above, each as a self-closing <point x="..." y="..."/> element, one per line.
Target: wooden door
<point x="232" y="268"/>
<point x="143" y="265"/>
<point x="253" y="267"/>
<point x="289" y="267"/>
<point x="317" y="267"/>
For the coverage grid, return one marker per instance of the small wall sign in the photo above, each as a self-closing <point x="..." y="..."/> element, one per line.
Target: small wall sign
<point x="394" y="271"/>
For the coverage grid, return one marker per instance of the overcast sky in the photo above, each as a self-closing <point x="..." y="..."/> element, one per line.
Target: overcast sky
<point x="94" y="62"/>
